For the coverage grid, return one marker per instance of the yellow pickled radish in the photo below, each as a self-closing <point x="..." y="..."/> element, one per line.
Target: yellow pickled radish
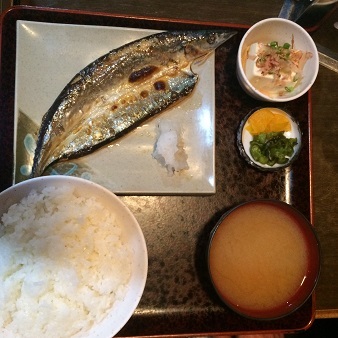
<point x="266" y="121"/>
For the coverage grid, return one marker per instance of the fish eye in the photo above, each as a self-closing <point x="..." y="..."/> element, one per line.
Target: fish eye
<point x="211" y="39"/>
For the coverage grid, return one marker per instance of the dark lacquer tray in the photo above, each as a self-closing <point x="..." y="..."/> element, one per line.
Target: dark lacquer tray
<point x="178" y="297"/>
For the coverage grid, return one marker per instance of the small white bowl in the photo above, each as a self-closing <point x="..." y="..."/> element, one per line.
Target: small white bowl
<point x="131" y="234"/>
<point x="244" y="138"/>
<point x="282" y="31"/>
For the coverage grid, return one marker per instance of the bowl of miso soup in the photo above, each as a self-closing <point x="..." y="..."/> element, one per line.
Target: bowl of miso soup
<point x="264" y="259"/>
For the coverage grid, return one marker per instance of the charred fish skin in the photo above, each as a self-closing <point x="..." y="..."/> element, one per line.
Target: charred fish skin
<point x="119" y="90"/>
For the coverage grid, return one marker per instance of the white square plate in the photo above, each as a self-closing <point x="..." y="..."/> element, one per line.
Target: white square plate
<point x="49" y="55"/>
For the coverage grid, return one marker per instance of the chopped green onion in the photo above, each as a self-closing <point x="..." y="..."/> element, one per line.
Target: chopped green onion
<point x="272" y="148"/>
<point x="286" y="45"/>
<point x="273" y="44"/>
<point x="289" y="89"/>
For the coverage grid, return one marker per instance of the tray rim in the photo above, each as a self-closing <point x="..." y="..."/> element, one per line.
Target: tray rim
<point x="23" y="10"/>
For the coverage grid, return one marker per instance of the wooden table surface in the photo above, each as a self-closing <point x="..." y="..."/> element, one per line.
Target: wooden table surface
<point x="324" y="102"/>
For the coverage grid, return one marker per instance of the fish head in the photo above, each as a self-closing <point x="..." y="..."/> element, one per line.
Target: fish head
<point x="198" y="45"/>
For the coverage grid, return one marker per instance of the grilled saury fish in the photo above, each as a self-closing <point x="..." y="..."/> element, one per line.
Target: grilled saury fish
<point x="118" y="91"/>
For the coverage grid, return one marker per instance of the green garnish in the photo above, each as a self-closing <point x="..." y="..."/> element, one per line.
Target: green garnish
<point x="272" y="148"/>
<point x="282" y="51"/>
<point x="289" y="89"/>
<point x="273" y="44"/>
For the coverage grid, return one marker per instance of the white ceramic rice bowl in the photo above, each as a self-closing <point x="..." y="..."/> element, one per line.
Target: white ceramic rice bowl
<point x="122" y="310"/>
<point x="281" y="30"/>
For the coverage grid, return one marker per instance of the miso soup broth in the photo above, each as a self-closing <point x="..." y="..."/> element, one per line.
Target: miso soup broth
<point x="259" y="259"/>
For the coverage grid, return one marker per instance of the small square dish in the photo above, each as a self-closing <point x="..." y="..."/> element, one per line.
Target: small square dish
<point x="50" y="54"/>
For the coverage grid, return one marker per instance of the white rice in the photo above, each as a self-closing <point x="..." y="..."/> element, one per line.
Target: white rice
<point x="63" y="264"/>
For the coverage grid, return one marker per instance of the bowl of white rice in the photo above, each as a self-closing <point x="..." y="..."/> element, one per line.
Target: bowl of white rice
<point x="73" y="260"/>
